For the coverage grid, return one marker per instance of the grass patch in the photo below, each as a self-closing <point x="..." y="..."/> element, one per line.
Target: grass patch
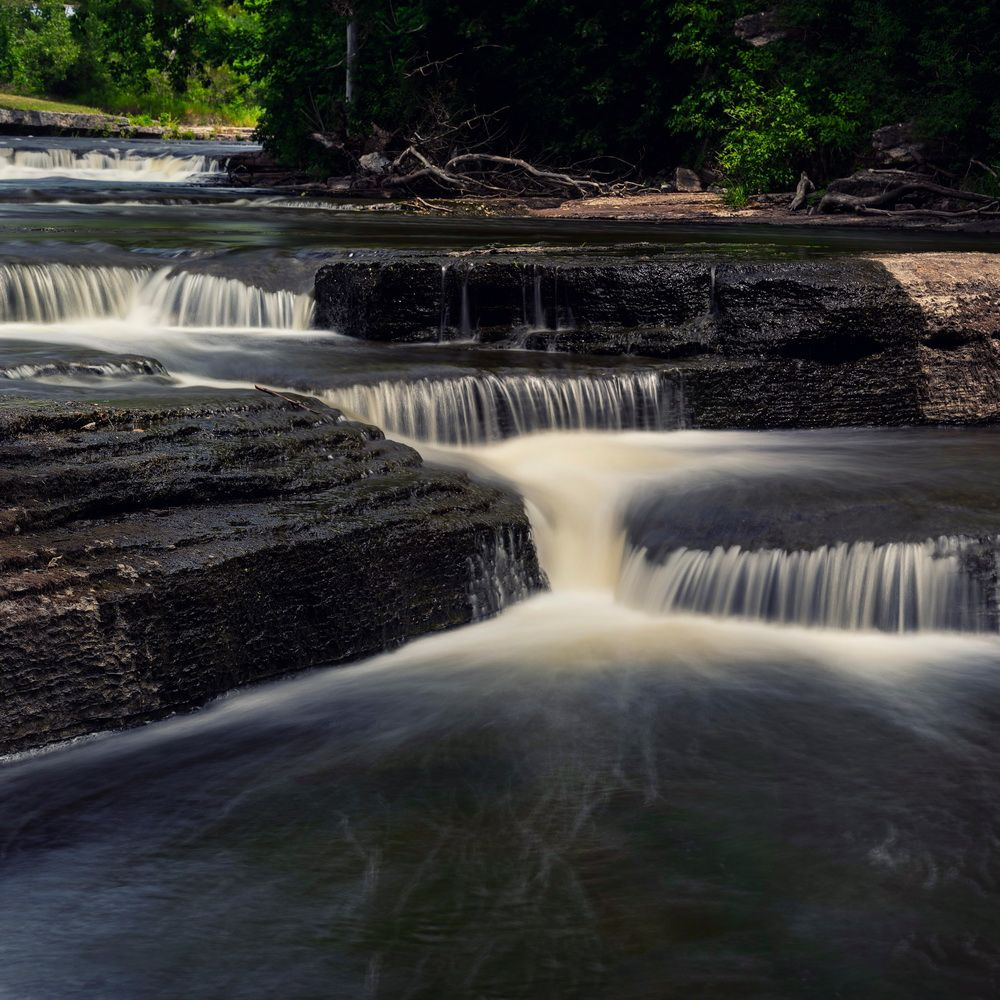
<point x="173" y="114"/>
<point x="19" y="103"/>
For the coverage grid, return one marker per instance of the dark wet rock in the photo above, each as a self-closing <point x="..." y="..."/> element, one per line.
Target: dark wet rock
<point x="778" y="343"/>
<point x="900" y="146"/>
<point x="590" y="305"/>
<point x="152" y="558"/>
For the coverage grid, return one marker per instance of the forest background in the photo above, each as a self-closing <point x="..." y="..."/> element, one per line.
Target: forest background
<point x="636" y="87"/>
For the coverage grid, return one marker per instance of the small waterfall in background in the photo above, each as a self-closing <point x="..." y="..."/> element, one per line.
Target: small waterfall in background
<point x="123" y="368"/>
<point x="465" y="327"/>
<point x="538" y="309"/>
<point x="473" y="409"/>
<point x="895" y="587"/>
<point x="52" y="293"/>
<point x="27" y="163"/>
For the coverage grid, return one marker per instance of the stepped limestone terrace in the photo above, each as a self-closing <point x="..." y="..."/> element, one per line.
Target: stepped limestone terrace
<point x="871" y="340"/>
<point x="617" y="704"/>
<point x="54" y="293"/>
<point x="113" y="164"/>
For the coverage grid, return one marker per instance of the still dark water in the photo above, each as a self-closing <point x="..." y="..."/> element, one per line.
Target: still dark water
<point x="746" y="746"/>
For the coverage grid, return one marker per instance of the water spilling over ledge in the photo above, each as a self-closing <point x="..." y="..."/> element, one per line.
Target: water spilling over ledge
<point x="473" y="409"/>
<point x="112" y="368"/>
<point x="50" y="293"/>
<point x="879" y="340"/>
<point x="112" y="164"/>
<point x="934" y="585"/>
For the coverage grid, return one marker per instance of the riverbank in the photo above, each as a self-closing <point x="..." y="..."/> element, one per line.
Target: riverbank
<point x="707" y="207"/>
<point x="30" y="121"/>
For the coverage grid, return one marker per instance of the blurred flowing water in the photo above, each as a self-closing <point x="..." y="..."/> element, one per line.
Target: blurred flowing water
<point x="745" y="746"/>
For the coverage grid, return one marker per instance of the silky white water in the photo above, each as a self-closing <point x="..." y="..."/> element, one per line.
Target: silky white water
<point x="113" y="165"/>
<point x="487" y="407"/>
<point x="578" y="488"/>
<point x="50" y="293"/>
<point x="894" y="587"/>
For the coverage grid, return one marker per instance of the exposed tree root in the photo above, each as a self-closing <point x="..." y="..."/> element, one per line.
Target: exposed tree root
<point x="899" y="186"/>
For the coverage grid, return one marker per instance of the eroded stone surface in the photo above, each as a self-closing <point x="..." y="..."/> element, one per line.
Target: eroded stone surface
<point x="958" y="295"/>
<point x="169" y="554"/>
<point x="779" y="343"/>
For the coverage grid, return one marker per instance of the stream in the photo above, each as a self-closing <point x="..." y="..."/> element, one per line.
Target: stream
<point x="744" y="746"/>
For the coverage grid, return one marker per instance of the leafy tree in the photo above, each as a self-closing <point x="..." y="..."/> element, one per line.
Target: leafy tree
<point x="39" y="50"/>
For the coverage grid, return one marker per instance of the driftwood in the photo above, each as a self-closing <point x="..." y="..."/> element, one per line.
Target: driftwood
<point x="802" y="190"/>
<point x="416" y="171"/>
<point x="892" y="188"/>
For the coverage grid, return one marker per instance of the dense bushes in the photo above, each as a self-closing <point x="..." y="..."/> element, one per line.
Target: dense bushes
<point x="812" y="98"/>
<point x="653" y="83"/>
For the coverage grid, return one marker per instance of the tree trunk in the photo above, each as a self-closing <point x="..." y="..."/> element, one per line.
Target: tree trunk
<point x="352" y="55"/>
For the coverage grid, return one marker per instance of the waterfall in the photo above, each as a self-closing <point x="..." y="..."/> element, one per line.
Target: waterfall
<point x="465" y="328"/>
<point x="475" y="408"/>
<point x="118" y="368"/>
<point x="111" y="165"/>
<point x="895" y="587"/>
<point x="189" y="299"/>
<point x="52" y="293"/>
<point x="48" y="293"/>
<point x="538" y="319"/>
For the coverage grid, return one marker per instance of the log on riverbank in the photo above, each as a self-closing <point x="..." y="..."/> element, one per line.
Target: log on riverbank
<point x="156" y="556"/>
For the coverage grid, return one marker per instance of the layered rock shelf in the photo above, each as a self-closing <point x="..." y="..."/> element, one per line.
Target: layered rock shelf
<point x="898" y="339"/>
<point x="155" y="556"/>
<point x="14" y="121"/>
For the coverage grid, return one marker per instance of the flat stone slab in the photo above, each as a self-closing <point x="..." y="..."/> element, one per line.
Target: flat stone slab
<point x="154" y="557"/>
<point x="825" y="341"/>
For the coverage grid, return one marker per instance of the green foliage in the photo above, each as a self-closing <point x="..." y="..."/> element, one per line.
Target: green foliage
<point x="174" y="58"/>
<point x="39" y="50"/>
<point x="650" y="83"/>
<point x="736" y="196"/>
<point x="771" y="134"/>
<point x="844" y="68"/>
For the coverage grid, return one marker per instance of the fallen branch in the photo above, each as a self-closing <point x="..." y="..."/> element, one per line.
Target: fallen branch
<point x="834" y="200"/>
<point x="292" y="400"/>
<point x="802" y="190"/>
<point x="578" y="184"/>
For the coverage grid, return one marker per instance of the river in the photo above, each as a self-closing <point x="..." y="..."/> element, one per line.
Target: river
<point x="744" y="746"/>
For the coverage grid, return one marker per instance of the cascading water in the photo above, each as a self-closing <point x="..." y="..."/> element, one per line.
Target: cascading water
<point x="27" y="164"/>
<point x="579" y="488"/>
<point x="123" y="368"/>
<point x="51" y="293"/>
<point x="895" y="587"/>
<point x="48" y="293"/>
<point x="497" y="575"/>
<point x="486" y="407"/>
<point x="188" y="299"/>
